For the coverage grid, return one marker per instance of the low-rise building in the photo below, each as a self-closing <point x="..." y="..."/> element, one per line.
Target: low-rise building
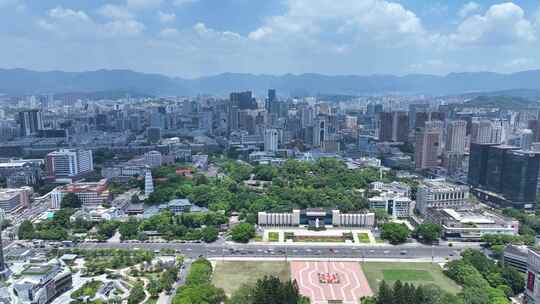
<point x="398" y="188"/>
<point x="532" y="286"/>
<point x="317" y="218"/>
<point x="14" y="199"/>
<point x="40" y="283"/>
<point x="395" y="205"/>
<point x="516" y="257"/>
<point x="440" y="194"/>
<point x="469" y="225"/>
<point x="91" y="194"/>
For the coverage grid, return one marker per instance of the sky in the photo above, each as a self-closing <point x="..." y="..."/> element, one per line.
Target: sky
<point x="193" y="38"/>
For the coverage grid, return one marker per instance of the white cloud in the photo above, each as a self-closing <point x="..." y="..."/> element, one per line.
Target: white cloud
<point x="115" y="12"/>
<point x="76" y="24"/>
<point x="356" y="19"/>
<point x="203" y="31"/>
<point x="61" y="13"/>
<point x="260" y="33"/>
<point x="184" y="2"/>
<point x="502" y="24"/>
<point x="166" y="17"/>
<point x="143" y="4"/>
<point x="468" y="9"/>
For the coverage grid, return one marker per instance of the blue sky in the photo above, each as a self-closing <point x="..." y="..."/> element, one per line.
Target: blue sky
<point x="190" y="38"/>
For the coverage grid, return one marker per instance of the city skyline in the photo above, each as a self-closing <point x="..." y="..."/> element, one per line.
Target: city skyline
<point x="194" y="38"/>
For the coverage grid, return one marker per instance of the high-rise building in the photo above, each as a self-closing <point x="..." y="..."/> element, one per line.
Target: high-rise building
<point x="31" y="122"/>
<point x="482" y="132"/>
<point x="534" y="126"/>
<point x="271" y="102"/>
<point x="393" y="126"/>
<point x="148" y="183"/>
<point x="527" y="138"/>
<point x="427" y="149"/>
<point x="456" y="136"/>
<point x="320" y="131"/>
<point x="69" y="162"/>
<point x="414" y="109"/>
<point x="243" y="100"/>
<point x="508" y="172"/>
<point x="271" y="137"/>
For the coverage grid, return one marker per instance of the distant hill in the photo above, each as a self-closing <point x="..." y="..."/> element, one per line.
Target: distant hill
<point x="503" y="102"/>
<point x="20" y="81"/>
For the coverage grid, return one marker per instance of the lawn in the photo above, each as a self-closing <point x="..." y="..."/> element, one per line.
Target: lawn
<point x="231" y="275"/>
<point x="363" y="237"/>
<point x="319" y="239"/>
<point x="89" y="289"/>
<point x="415" y="273"/>
<point x="273" y="236"/>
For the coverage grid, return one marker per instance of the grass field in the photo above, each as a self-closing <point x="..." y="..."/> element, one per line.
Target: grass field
<point x="273" y="236"/>
<point x="363" y="237"/>
<point x="319" y="239"/>
<point x="415" y="273"/>
<point x="230" y="275"/>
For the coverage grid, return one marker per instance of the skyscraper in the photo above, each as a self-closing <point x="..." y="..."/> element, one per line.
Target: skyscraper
<point x="243" y="100"/>
<point x="319" y="131"/>
<point x="507" y="171"/>
<point x="456" y="136"/>
<point x="427" y="147"/>
<point x="482" y="132"/>
<point x="271" y="137"/>
<point x="527" y="138"/>
<point x="31" y="122"/>
<point x="393" y="126"/>
<point x="271" y="106"/>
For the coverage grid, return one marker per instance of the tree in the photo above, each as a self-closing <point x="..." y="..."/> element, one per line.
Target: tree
<point x="513" y="279"/>
<point x="243" y="232"/>
<point x="154" y="288"/>
<point x="209" y="234"/>
<point x="428" y="232"/>
<point x="70" y="200"/>
<point x="270" y="290"/>
<point x="129" y="230"/>
<point x="199" y="294"/>
<point x="385" y="294"/>
<point x="136" y="294"/>
<point x="395" y="233"/>
<point x="26" y="230"/>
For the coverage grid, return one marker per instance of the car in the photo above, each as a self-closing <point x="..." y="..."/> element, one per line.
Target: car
<point x="403" y="252"/>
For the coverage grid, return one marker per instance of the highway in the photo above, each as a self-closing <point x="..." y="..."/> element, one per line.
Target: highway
<point x="414" y="251"/>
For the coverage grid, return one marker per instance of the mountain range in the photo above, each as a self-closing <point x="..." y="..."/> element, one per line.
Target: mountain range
<point x="21" y="81"/>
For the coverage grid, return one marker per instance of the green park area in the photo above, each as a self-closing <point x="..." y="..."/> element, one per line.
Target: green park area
<point x="319" y="239"/>
<point x="414" y="273"/>
<point x="363" y="237"/>
<point x="231" y="275"/>
<point x="273" y="236"/>
<point x="89" y="289"/>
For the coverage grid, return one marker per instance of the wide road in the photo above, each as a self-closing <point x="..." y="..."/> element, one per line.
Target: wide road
<point x="410" y="251"/>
